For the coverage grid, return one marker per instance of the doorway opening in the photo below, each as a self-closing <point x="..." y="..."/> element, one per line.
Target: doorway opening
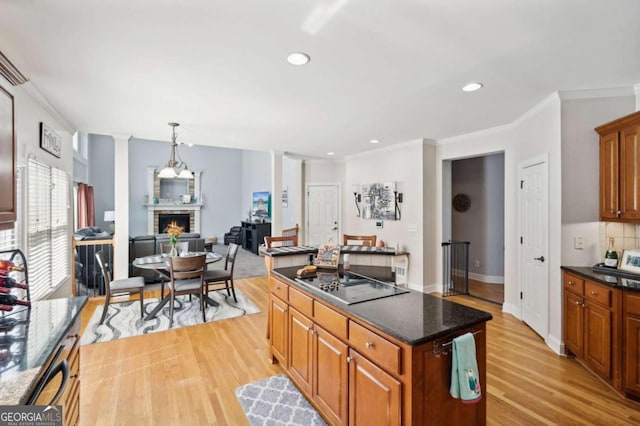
<point x="479" y="220"/>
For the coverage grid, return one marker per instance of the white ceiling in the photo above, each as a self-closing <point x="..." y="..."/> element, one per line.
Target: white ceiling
<point x="391" y="70"/>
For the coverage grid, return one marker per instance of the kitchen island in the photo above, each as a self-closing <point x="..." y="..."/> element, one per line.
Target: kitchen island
<point x="382" y="361"/>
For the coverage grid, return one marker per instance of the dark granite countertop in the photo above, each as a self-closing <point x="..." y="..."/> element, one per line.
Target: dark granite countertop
<point x="616" y="278"/>
<point x="413" y="317"/>
<point x="27" y="347"/>
<point x="289" y="251"/>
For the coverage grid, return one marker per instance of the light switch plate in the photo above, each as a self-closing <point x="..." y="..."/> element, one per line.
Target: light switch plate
<point x="412" y="227"/>
<point x="578" y="243"/>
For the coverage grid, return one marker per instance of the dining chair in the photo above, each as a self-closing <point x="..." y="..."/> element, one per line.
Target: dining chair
<point x="131" y="285"/>
<point x="186" y="275"/>
<point x="289" y="232"/>
<point x="367" y="240"/>
<point x="219" y="276"/>
<point x="281" y="241"/>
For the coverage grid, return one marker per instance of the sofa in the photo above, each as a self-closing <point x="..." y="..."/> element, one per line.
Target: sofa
<point x="147" y="245"/>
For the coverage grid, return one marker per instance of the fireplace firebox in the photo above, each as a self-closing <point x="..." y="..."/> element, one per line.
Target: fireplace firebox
<point x="181" y="220"/>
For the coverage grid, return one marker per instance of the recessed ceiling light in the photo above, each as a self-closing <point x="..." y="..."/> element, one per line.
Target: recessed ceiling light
<point x="472" y="87"/>
<point x="374" y="141"/>
<point x="331" y="153"/>
<point x="298" y="58"/>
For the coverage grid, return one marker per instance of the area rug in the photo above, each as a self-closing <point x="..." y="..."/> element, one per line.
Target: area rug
<point x="123" y="319"/>
<point x="276" y="401"/>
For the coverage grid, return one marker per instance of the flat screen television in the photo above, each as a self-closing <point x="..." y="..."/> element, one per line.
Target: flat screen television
<point x="261" y="204"/>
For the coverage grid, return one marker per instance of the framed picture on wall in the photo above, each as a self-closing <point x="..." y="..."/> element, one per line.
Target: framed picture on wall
<point x="260" y="205"/>
<point x="630" y="261"/>
<point x="50" y="141"/>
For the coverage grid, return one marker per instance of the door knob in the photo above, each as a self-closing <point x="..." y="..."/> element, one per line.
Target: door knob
<point x="541" y="258"/>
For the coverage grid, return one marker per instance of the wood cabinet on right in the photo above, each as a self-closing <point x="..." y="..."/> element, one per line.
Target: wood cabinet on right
<point x="620" y="169"/>
<point x="632" y="343"/>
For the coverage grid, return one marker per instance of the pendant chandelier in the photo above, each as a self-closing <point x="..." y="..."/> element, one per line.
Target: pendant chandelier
<point x="175" y="168"/>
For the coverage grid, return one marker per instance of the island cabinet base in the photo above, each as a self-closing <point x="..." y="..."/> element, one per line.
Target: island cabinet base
<point x="356" y="374"/>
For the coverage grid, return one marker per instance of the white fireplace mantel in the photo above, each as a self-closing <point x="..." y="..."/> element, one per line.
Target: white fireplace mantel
<point x="152" y="209"/>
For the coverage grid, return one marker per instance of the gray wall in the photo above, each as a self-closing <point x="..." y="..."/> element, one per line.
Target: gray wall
<point x="292" y="181"/>
<point x="221" y="183"/>
<point x="256" y="177"/>
<point x="482" y="178"/>
<point x="580" y="153"/>
<point x="101" y="154"/>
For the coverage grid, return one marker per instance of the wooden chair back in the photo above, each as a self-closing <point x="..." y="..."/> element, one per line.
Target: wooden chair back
<point x="104" y="267"/>
<point x="230" y="260"/>
<point x="291" y="232"/>
<point x="187" y="267"/>
<point x="367" y="240"/>
<point x="270" y="242"/>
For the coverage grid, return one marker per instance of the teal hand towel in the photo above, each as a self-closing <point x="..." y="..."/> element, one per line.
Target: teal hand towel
<point x="465" y="379"/>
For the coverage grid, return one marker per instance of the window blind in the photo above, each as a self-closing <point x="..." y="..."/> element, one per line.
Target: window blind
<point x="47" y="228"/>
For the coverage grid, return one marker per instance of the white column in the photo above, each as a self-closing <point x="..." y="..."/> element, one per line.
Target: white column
<point x="121" y="192"/>
<point x="276" y="193"/>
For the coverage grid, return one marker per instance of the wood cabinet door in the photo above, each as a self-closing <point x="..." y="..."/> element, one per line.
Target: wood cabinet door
<point x="374" y="395"/>
<point x="597" y="339"/>
<point x="330" y="376"/>
<point x="279" y="324"/>
<point x="7" y="161"/>
<point x="630" y="172"/>
<point x="573" y="323"/>
<point x="632" y="354"/>
<point x="609" y="171"/>
<point x="300" y="345"/>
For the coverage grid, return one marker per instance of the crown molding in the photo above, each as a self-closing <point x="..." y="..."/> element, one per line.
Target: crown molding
<point x="549" y="100"/>
<point x="611" y="92"/>
<point x="37" y="96"/>
<point x="387" y="148"/>
<point x="11" y="72"/>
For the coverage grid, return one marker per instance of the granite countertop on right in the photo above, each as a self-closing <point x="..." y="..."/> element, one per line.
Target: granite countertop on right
<point x="616" y="278"/>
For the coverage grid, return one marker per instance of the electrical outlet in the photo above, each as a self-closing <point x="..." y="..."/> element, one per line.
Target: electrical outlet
<point x="476" y="263"/>
<point x="578" y="243"/>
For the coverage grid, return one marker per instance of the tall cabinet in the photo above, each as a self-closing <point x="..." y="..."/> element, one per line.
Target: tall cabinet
<point x="7" y="161"/>
<point x="620" y="169"/>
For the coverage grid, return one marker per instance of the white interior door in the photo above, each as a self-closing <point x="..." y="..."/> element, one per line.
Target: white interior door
<point x="323" y="207"/>
<point x="534" y="257"/>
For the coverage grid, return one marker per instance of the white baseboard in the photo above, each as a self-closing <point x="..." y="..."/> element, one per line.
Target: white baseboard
<point x="489" y="279"/>
<point x="431" y="288"/>
<point x="510" y="308"/>
<point x="555" y="344"/>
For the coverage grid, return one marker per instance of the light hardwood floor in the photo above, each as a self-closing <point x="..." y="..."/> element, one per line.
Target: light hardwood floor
<point x="187" y="376"/>
<point x="487" y="291"/>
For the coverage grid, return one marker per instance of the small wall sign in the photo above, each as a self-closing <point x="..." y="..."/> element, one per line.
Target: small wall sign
<point x="50" y="141"/>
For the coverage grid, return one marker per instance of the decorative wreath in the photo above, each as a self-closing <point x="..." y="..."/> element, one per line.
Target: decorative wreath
<point x="461" y="202"/>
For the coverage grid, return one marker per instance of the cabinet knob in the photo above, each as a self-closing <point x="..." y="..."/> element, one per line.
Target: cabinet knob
<point x="349" y="359"/>
<point x="578" y="302"/>
<point x="593" y="293"/>
<point x="571" y="283"/>
<point x="368" y="345"/>
<point x="277" y="287"/>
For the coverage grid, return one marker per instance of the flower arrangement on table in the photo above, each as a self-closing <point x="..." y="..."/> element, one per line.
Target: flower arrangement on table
<point x="174" y="231"/>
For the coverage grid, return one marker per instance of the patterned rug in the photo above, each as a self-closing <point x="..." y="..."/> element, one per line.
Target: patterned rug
<point x="123" y="319"/>
<point x="276" y="401"/>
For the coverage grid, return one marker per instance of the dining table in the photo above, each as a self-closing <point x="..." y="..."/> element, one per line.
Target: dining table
<point x="160" y="264"/>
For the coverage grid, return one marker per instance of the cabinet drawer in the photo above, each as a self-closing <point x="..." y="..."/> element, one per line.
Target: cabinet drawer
<point x="330" y="320"/>
<point x="632" y="303"/>
<point x="300" y="301"/>
<point x="377" y="348"/>
<point x="598" y="293"/>
<point x="573" y="284"/>
<point x="279" y="288"/>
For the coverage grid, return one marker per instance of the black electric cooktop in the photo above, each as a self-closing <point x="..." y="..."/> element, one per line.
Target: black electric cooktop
<point x="350" y="288"/>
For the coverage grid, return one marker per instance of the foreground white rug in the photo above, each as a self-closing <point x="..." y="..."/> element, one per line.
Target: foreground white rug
<point x="123" y="319"/>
